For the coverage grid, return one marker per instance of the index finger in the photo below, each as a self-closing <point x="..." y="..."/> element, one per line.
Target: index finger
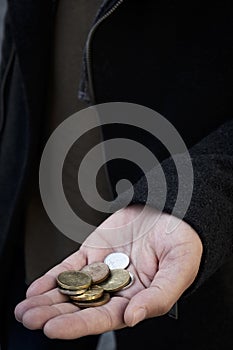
<point x="48" y="281"/>
<point x="50" y="298"/>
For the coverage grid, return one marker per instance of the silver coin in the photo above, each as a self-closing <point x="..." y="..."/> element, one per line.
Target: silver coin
<point x="71" y="292"/>
<point x="130" y="282"/>
<point x="117" y="261"/>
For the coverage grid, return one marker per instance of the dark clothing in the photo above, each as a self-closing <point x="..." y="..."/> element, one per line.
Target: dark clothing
<point x="182" y="70"/>
<point x="176" y="58"/>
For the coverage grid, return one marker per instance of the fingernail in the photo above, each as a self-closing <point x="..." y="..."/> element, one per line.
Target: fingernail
<point x="139" y="315"/>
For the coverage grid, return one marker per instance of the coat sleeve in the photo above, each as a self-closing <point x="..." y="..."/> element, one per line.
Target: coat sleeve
<point x="210" y="211"/>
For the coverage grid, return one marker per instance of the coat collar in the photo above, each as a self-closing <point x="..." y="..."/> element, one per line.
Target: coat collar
<point x="32" y="23"/>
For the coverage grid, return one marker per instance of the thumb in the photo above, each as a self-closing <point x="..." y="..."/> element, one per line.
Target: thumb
<point x="158" y="299"/>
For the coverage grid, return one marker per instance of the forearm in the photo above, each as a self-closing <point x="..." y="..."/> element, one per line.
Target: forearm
<point x="211" y="208"/>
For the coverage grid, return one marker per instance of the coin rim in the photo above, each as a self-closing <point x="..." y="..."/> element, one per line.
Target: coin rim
<point x="88" y="304"/>
<point x="71" y="292"/>
<point x="89" y="298"/>
<point x="132" y="280"/>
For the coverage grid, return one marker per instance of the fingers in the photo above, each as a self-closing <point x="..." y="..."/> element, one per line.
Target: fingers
<point x="88" y="321"/>
<point x="49" y="298"/>
<point x="63" y="320"/>
<point x="37" y="317"/>
<point x="48" y="281"/>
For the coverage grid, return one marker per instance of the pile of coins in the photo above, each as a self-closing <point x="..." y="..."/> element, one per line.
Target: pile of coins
<point x="92" y="286"/>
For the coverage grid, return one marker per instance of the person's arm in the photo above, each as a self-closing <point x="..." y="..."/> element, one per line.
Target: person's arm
<point x="165" y="265"/>
<point x="210" y="212"/>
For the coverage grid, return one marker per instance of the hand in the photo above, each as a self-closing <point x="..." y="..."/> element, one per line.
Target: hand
<point x="164" y="265"/>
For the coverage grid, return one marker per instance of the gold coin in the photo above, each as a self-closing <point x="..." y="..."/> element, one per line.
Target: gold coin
<point x="71" y="292"/>
<point x="95" y="292"/>
<point x="73" y="280"/>
<point x="98" y="271"/>
<point x="101" y="301"/>
<point x="118" y="279"/>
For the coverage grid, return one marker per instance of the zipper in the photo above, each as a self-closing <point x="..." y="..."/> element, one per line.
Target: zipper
<point x="88" y="47"/>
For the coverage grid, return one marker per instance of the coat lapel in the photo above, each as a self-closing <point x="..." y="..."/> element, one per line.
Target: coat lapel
<point x="31" y="22"/>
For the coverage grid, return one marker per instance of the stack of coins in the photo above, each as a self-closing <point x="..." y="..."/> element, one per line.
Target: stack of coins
<point x="92" y="286"/>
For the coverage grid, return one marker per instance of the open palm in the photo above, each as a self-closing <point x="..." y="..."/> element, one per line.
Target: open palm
<point x="164" y="266"/>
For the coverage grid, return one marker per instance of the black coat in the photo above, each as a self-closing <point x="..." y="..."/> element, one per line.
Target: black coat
<point x="175" y="59"/>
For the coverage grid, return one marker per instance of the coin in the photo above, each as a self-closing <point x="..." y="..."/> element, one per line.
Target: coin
<point x="98" y="271"/>
<point x="118" y="279"/>
<point x="73" y="280"/>
<point x="95" y="292"/>
<point x="131" y="281"/>
<point x="71" y="292"/>
<point x="117" y="261"/>
<point x="101" y="301"/>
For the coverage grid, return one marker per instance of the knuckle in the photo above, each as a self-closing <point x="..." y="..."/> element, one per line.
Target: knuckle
<point x="164" y="308"/>
<point x="167" y="304"/>
<point x="30" y="321"/>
